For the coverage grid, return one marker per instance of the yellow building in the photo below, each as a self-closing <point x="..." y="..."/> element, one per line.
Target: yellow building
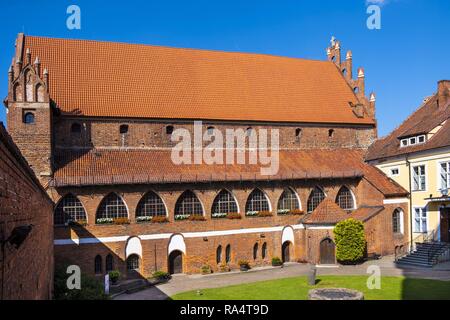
<point x="417" y="156"/>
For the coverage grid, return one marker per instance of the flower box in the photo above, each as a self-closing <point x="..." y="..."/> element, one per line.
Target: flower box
<point x="234" y="216"/>
<point x="296" y="212"/>
<point x="265" y="214"/>
<point x="159" y="219"/>
<point x="196" y="217"/>
<point x="182" y="217"/>
<point x="112" y="221"/>
<point x="219" y="215"/>
<point x="144" y="219"/>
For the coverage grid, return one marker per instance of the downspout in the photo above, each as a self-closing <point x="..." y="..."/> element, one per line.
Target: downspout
<point x="408" y="165"/>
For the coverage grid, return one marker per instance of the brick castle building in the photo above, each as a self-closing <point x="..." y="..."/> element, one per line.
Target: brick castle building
<point x="95" y="120"/>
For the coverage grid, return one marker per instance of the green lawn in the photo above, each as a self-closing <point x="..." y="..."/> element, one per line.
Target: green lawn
<point x="392" y="288"/>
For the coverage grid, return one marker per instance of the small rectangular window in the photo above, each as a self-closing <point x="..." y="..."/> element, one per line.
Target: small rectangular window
<point x="421" y="139"/>
<point x="395" y="172"/>
<point x="404" y="142"/>
<point x="412" y="141"/>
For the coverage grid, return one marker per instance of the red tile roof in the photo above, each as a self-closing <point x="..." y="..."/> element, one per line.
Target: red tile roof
<point x="131" y="166"/>
<point x="106" y="79"/>
<point x="422" y="121"/>
<point x="327" y="212"/>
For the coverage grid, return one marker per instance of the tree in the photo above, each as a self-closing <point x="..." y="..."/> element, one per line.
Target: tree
<point x="350" y="241"/>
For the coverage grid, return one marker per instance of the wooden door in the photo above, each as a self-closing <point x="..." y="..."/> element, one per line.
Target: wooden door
<point x="285" y="252"/>
<point x="176" y="262"/>
<point x="445" y="225"/>
<point x="327" y="252"/>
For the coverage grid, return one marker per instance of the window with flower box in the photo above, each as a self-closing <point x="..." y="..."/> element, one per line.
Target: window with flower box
<point x="69" y="209"/>
<point x="223" y="204"/>
<point x="112" y="209"/>
<point x="256" y="202"/>
<point x="151" y="207"/>
<point x="188" y="205"/>
<point x="288" y="202"/>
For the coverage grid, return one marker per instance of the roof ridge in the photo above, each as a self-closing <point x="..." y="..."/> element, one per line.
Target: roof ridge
<point x="179" y="48"/>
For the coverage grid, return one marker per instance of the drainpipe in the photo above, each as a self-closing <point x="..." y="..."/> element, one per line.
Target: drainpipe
<point x="408" y="165"/>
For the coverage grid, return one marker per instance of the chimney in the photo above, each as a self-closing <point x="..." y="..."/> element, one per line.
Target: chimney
<point x="443" y="93"/>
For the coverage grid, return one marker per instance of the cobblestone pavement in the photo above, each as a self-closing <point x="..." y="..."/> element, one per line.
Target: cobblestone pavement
<point x="181" y="283"/>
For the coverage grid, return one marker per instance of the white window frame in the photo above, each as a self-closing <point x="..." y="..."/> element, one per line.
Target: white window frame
<point x="421" y="211"/>
<point x="406" y="142"/>
<point x="424" y="139"/>
<point x="401" y="224"/>
<point x="439" y="168"/>
<point x="424" y="176"/>
<point x="394" y="174"/>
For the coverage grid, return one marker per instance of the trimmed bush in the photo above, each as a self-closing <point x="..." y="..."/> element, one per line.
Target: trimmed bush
<point x="276" y="261"/>
<point x="91" y="288"/>
<point x="114" y="276"/>
<point x="161" y="275"/>
<point x="206" y="269"/>
<point x="350" y="241"/>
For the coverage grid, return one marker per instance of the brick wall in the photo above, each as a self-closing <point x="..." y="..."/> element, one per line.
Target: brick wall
<point x="151" y="134"/>
<point x="202" y="251"/>
<point x="28" y="270"/>
<point x="34" y="139"/>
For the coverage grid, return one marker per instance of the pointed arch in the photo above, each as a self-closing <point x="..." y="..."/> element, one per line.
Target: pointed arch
<point x="255" y="251"/>
<point x="111" y="207"/>
<point x="109" y="263"/>
<point x="188" y="204"/>
<point x="288" y="201"/>
<point x="151" y="205"/>
<point x="264" y="250"/>
<point x="29" y="86"/>
<point x="228" y="253"/>
<point x="133" y="246"/>
<point x="40" y="93"/>
<point x="18" y="92"/>
<point x="219" y="254"/>
<point x="224" y="203"/>
<point x="68" y="209"/>
<point x="397" y="221"/>
<point x="315" y="198"/>
<point x="345" y="198"/>
<point x="98" y="268"/>
<point x="257" y="201"/>
<point x="176" y="243"/>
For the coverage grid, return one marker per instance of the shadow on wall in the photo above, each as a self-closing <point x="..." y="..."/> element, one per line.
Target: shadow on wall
<point x="96" y="259"/>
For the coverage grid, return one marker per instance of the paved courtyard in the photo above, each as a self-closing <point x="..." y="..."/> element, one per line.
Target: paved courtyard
<point x="181" y="283"/>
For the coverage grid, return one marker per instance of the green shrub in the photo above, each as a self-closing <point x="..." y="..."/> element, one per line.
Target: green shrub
<point x="244" y="264"/>
<point x="114" y="275"/>
<point x="91" y="288"/>
<point x="161" y="275"/>
<point x="276" y="261"/>
<point x="350" y="241"/>
<point x="206" y="269"/>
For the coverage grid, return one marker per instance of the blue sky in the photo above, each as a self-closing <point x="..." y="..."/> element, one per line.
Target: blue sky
<point x="403" y="61"/>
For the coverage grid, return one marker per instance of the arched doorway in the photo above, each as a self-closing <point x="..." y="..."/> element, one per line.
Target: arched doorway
<point x="176" y="262"/>
<point x="327" y="251"/>
<point x="286" y="251"/>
